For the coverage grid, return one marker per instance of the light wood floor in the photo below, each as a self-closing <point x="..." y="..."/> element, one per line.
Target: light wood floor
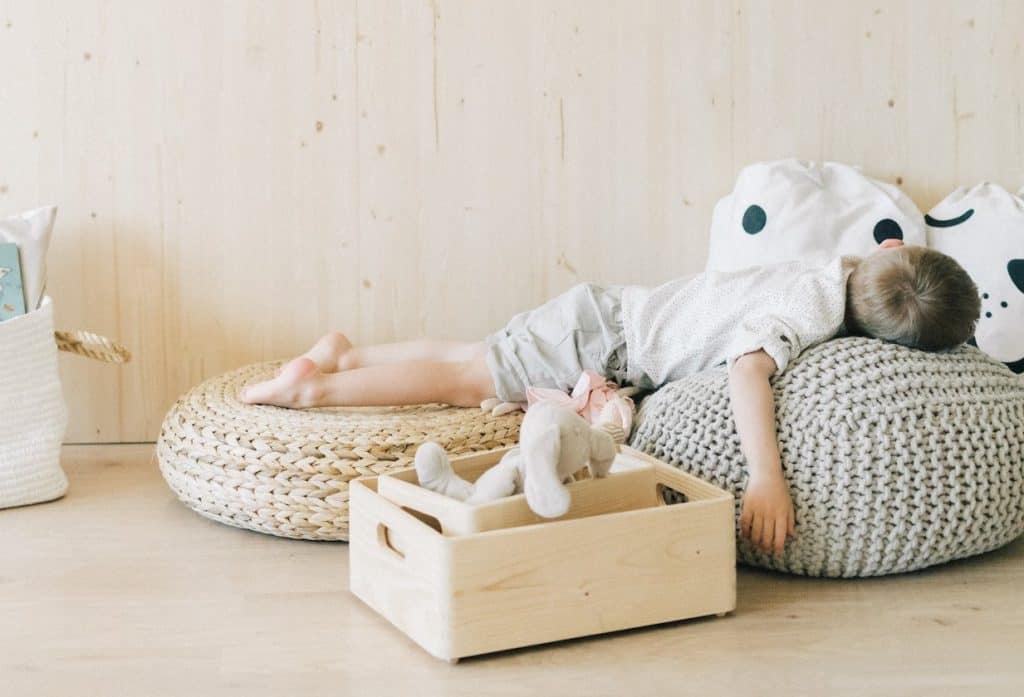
<point x="120" y="590"/>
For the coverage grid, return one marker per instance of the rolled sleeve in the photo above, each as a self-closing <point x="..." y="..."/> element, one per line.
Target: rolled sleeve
<point x="772" y="337"/>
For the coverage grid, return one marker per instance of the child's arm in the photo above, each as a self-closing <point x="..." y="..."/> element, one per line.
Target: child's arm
<point x="767" y="515"/>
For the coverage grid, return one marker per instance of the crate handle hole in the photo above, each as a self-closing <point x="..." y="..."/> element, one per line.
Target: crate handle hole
<point x="423" y="518"/>
<point x="384" y="539"/>
<point x="669" y="496"/>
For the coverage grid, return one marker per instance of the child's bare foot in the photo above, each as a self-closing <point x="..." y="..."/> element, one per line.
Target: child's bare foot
<point x="296" y="386"/>
<point x="329" y="353"/>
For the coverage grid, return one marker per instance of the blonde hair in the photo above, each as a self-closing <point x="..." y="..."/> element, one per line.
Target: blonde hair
<point x="913" y="296"/>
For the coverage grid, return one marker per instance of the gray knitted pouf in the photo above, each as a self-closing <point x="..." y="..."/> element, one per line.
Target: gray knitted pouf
<point x="896" y="459"/>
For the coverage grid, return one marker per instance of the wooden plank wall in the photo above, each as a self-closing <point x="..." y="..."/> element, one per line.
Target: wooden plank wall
<point x="235" y="178"/>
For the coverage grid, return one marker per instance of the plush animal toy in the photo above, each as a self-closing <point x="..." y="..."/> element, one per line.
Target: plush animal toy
<point x="790" y="209"/>
<point x="554" y="443"/>
<point x="983" y="229"/>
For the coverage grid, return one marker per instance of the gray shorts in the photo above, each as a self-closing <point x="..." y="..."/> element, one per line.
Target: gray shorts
<point x="552" y="345"/>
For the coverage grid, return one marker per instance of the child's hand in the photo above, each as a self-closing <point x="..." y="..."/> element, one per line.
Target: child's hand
<point x="767" y="517"/>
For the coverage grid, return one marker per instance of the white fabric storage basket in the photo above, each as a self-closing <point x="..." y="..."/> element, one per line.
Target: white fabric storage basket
<point x="32" y="411"/>
<point x="33" y="415"/>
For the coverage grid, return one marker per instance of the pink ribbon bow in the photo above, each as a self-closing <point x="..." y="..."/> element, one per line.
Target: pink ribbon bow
<point x="592" y="397"/>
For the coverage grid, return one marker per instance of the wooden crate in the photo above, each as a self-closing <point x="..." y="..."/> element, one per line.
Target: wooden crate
<point x="523" y="582"/>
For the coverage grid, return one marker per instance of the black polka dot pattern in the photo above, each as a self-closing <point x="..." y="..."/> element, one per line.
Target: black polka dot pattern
<point x="887" y="229"/>
<point x="754" y="219"/>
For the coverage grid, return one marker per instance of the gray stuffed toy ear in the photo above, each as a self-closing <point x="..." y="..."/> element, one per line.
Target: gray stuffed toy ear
<point x="546" y="494"/>
<point x="602" y="451"/>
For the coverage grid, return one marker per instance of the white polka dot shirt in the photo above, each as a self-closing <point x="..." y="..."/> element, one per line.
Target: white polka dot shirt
<point x="694" y="323"/>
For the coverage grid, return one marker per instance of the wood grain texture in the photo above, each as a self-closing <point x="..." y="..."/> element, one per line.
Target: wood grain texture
<point x="236" y="178"/>
<point x="119" y="589"/>
<point x="514" y="580"/>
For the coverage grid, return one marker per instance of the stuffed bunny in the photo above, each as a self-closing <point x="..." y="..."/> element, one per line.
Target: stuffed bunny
<point x="554" y="443"/>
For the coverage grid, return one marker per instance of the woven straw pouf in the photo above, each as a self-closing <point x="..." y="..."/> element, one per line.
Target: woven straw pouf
<point x="286" y="472"/>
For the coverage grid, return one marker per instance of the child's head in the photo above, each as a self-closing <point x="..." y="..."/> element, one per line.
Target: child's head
<point x="913" y="296"/>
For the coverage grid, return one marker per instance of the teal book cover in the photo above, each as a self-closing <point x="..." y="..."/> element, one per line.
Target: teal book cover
<point x="12" y="297"/>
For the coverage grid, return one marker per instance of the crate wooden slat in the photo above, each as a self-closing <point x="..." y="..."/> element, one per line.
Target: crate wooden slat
<point x="632" y="486"/>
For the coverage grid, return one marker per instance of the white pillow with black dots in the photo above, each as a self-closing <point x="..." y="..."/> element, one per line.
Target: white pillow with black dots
<point x="982" y="227"/>
<point x="785" y="210"/>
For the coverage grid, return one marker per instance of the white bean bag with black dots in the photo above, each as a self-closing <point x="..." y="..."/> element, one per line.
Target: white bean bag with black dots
<point x="896" y="459"/>
<point x="983" y="228"/>
<point x="790" y="209"/>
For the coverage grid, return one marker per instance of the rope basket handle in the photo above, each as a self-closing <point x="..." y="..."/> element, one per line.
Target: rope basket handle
<point x="91" y="345"/>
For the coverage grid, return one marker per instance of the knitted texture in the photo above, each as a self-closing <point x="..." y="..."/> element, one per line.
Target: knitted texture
<point x="896" y="459"/>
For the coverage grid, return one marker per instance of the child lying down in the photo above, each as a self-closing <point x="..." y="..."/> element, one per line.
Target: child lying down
<point x="755" y="321"/>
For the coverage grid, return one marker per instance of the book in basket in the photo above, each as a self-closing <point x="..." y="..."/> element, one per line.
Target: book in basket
<point x="12" y="294"/>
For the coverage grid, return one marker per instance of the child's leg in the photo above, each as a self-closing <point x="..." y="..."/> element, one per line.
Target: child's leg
<point x="301" y="384"/>
<point x="419" y="350"/>
<point x="335" y="352"/>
